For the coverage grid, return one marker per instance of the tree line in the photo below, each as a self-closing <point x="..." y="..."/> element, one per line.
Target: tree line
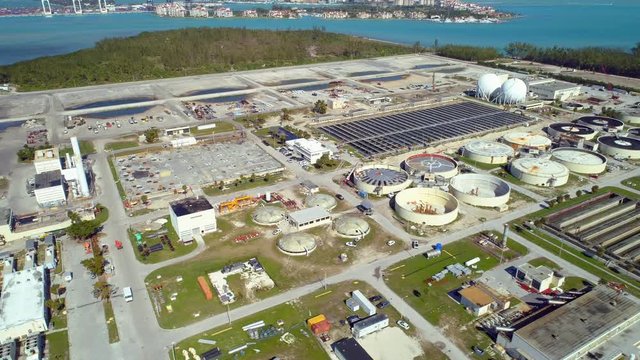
<point x="155" y="55"/>
<point x="599" y="59"/>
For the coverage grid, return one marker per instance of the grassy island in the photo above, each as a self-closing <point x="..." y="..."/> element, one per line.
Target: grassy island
<point x="163" y="54"/>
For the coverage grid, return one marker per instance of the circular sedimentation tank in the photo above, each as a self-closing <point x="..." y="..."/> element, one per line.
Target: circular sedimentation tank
<point x="519" y="140"/>
<point x="268" y="215"/>
<point x="297" y="244"/>
<point x="431" y="165"/>
<point x="622" y="147"/>
<point x="578" y="130"/>
<point x="351" y="227"/>
<point x="579" y="160"/>
<point x="381" y="179"/>
<point x="632" y="118"/>
<point x="480" y="190"/>
<point x="539" y="171"/>
<point x="601" y="123"/>
<point x="427" y="206"/>
<point x="328" y="202"/>
<point x="634" y="133"/>
<point x="488" y="152"/>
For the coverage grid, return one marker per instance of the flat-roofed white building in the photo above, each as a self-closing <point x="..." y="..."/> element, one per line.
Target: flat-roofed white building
<point x="309" y="218"/>
<point x="49" y="189"/>
<point x="22" y="304"/>
<point x="47" y="160"/>
<point x="310" y="150"/>
<point x="192" y="217"/>
<point x="551" y="89"/>
<point x="540" y="278"/>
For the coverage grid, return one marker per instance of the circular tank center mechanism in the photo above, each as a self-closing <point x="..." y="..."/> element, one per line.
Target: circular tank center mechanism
<point x="571" y="129"/>
<point x="622" y="143"/>
<point x="436" y="164"/>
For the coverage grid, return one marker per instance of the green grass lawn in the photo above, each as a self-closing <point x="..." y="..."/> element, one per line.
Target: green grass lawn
<point x="633" y="182"/>
<point x="119" y="145"/>
<point x="58" y="345"/>
<point x="116" y="179"/>
<point x="221" y="127"/>
<point x="110" y="318"/>
<point x="543" y="261"/>
<point x="479" y="165"/>
<point x="434" y="303"/>
<point x="86" y="148"/>
<point x="244" y="184"/>
<point x="166" y="253"/>
<point x="142" y="211"/>
<point x="294" y="314"/>
<point x="103" y="216"/>
<point x="574" y="282"/>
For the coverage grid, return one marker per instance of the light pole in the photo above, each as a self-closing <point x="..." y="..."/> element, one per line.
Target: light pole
<point x="173" y="350"/>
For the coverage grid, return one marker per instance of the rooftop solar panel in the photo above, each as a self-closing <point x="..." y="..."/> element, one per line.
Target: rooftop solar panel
<point x="395" y="132"/>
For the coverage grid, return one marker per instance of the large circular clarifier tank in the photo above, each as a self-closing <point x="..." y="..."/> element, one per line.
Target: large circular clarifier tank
<point x="579" y="160"/>
<point x="268" y="215"/>
<point x="488" y="152"/>
<point x="634" y="133"/>
<point x="578" y="130"/>
<point x="431" y="165"/>
<point x="381" y="179"/>
<point x="480" y="190"/>
<point x="539" y="171"/>
<point x="328" y="202"/>
<point x="297" y="244"/>
<point x="427" y="206"/>
<point x="622" y="147"/>
<point x="351" y="227"/>
<point x="601" y="123"/>
<point x="518" y="140"/>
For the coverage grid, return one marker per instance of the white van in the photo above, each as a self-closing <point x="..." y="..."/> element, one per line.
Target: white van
<point x="128" y="294"/>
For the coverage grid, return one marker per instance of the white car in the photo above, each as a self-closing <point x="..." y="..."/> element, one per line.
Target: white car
<point x="391" y="242"/>
<point x="403" y="324"/>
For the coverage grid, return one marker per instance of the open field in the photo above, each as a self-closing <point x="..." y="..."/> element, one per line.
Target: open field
<point x="164" y="254"/>
<point x="542" y="261"/>
<point x="409" y="279"/>
<point x="287" y="272"/>
<point x="86" y="148"/>
<point x="328" y="301"/>
<point x="119" y="145"/>
<point x="221" y="127"/>
<point x="633" y="182"/>
<point x="58" y="345"/>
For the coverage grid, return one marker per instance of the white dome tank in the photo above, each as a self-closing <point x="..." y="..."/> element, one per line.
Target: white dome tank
<point x="512" y="91"/>
<point x="488" y="86"/>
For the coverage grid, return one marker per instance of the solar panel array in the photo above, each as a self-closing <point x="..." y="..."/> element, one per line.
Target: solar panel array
<point x="420" y="128"/>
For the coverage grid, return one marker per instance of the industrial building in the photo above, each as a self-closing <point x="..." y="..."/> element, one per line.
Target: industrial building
<point x="426" y="206"/>
<point x="358" y="297"/>
<point x="369" y="325"/>
<point x="297" y="244"/>
<point x="539" y="278"/>
<point x="47" y="160"/>
<point x="480" y="190"/>
<point x="480" y="299"/>
<point x="488" y="152"/>
<point x="49" y="189"/>
<point x="619" y="147"/>
<point x="349" y="349"/>
<point x="601" y="123"/>
<point x="192" y="217"/>
<point x="539" y="171"/>
<point x="380" y="179"/>
<point x="431" y="167"/>
<point x="308" y="149"/>
<point x="22" y="305"/>
<point x="579" y="160"/>
<point x="572" y="330"/>
<point x="308" y="218"/>
<point x="551" y="89"/>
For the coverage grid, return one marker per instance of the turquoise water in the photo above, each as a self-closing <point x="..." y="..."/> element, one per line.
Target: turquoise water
<point x="544" y="22"/>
